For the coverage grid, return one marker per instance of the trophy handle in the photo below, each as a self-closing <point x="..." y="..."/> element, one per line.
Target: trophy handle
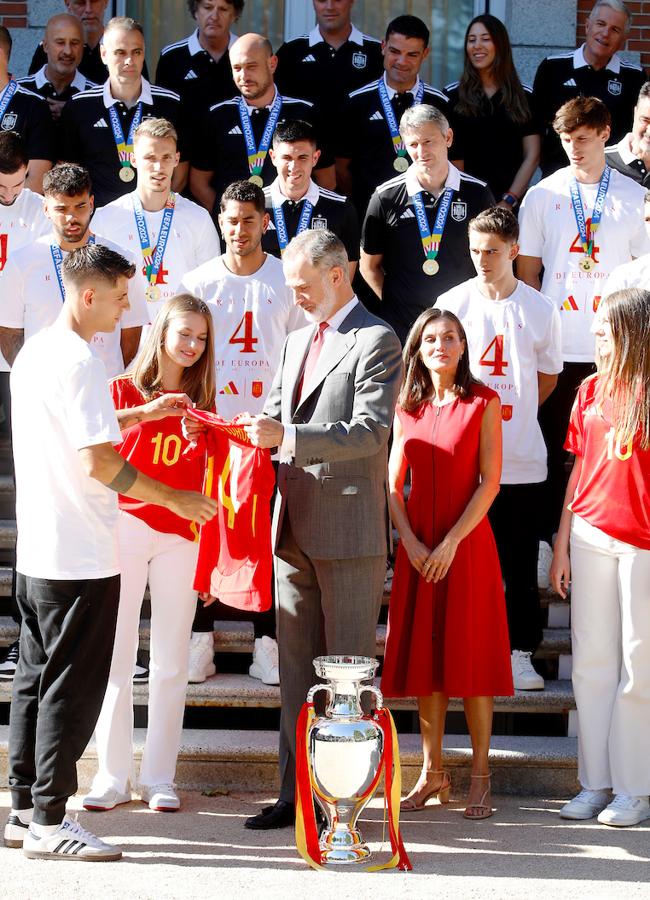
<point x="311" y="693"/>
<point x="379" y="697"/>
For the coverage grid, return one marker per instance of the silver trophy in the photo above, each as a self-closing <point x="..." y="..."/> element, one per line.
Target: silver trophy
<point x="345" y="752"/>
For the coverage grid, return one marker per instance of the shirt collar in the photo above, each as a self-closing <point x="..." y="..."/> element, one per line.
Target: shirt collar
<point x="334" y="322"/>
<point x="40" y="79"/>
<point x="624" y="149"/>
<point x="194" y="45"/>
<point x="579" y="61"/>
<point x="315" y="37"/>
<point x="268" y="105"/>
<point x="413" y="186"/>
<point x="391" y="91"/>
<point x="145" y="94"/>
<point x="278" y="198"/>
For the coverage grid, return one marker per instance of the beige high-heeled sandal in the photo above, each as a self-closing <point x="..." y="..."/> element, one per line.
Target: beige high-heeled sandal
<point x="418" y="797"/>
<point x="483" y="810"/>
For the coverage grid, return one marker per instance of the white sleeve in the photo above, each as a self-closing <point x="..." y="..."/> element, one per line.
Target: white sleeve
<point x="12" y="296"/>
<point x="207" y="244"/>
<point x="616" y="280"/>
<point x="91" y="415"/>
<point x="640" y="242"/>
<point x="531" y="225"/>
<point x="549" y="350"/>
<point x="190" y="284"/>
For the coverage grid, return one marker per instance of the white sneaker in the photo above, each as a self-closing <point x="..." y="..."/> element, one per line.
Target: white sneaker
<point x="585" y="805"/>
<point x="160" y="797"/>
<point x="544" y="560"/>
<point x="103" y="801"/>
<point x="17" y="827"/>
<point x="201" y="657"/>
<point x="69" y="841"/>
<point x="265" y="661"/>
<point x="524" y="677"/>
<point x="625" y="810"/>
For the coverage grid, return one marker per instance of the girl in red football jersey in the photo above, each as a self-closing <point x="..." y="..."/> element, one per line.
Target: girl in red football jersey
<point x="606" y="526"/>
<point x="173" y="370"/>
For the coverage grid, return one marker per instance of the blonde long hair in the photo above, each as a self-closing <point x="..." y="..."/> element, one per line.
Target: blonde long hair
<point x="198" y="380"/>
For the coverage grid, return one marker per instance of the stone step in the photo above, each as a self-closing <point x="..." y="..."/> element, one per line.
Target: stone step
<point x="248" y="761"/>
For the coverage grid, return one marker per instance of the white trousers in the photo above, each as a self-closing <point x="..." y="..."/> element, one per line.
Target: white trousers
<point x="610" y="629"/>
<point x="168" y="562"/>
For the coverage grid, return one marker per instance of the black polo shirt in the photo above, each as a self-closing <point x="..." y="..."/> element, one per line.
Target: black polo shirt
<point x="491" y="143"/>
<point x="331" y="211"/>
<point x="309" y="67"/>
<point x="390" y="229"/>
<point x="38" y="84"/>
<point x="621" y="158"/>
<point x="87" y="136"/>
<point x="363" y="136"/>
<point x="561" y="78"/>
<point x="189" y="70"/>
<point x="218" y="145"/>
<point x="29" y="115"/>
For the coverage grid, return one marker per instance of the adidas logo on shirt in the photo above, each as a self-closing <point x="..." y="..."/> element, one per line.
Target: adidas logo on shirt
<point x="376" y="117"/>
<point x="101" y="123"/>
<point x="309" y="58"/>
<point x="408" y="214"/>
<point x="570" y="83"/>
<point x="235" y="130"/>
<point x="191" y="74"/>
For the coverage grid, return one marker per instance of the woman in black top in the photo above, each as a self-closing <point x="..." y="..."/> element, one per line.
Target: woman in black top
<point x="496" y="135"/>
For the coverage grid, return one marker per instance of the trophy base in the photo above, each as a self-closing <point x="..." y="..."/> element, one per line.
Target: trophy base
<point x="343" y="847"/>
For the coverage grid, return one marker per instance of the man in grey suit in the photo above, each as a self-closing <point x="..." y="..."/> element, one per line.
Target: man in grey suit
<point x="330" y="411"/>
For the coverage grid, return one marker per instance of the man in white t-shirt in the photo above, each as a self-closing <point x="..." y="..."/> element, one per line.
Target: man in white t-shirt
<point x="253" y="313"/>
<point x="68" y="476"/>
<point x="169" y="234"/>
<point x="514" y="342"/>
<point x="31" y="284"/>
<point x="635" y="274"/>
<point x="578" y="224"/>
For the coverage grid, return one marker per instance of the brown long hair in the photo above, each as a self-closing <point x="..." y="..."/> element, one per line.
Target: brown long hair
<point x="417" y="384"/>
<point x="198" y="380"/>
<point x="471" y="96"/>
<point x="624" y="375"/>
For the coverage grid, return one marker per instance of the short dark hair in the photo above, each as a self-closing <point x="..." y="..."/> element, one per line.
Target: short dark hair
<point x="6" y="40"/>
<point x="290" y="131"/>
<point x="589" y="112"/>
<point x="237" y="4"/>
<point x="95" y="262"/>
<point x="498" y="221"/>
<point x="68" y="179"/>
<point x="13" y="155"/>
<point x="410" y="27"/>
<point x="244" y="192"/>
<point x="123" y="23"/>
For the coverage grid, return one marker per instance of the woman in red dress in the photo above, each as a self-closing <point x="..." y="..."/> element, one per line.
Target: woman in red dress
<point x="447" y="628"/>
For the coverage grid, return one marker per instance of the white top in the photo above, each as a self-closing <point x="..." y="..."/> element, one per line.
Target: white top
<point x="192" y="241"/>
<point x="549" y="231"/>
<point x="635" y="274"/>
<point x="31" y="299"/>
<point x="509" y="342"/>
<point x="252" y="314"/>
<point x="20" y="224"/>
<point x="60" y="402"/>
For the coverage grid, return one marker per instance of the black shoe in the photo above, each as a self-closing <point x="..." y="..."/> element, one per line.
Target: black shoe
<point x="282" y="815"/>
<point x="9" y="663"/>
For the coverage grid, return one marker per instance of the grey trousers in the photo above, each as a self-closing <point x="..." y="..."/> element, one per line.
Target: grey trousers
<point x="324" y="606"/>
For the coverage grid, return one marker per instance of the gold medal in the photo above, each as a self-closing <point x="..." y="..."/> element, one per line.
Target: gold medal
<point x="400" y="164"/>
<point x="587" y="263"/>
<point x="430" y="267"/>
<point x="152" y="293"/>
<point x="127" y="173"/>
<point x="255" y="179"/>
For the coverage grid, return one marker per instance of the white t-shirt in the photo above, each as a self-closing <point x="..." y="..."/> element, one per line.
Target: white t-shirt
<point x="30" y="298"/>
<point x="60" y="403"/>
<point x="252" y="314"/>
<point x="509" y="342"/>
<point x="192" y="241"/>
<point x="549" y="231"/>
<point x="635" y="274"/>
<point x="20" y="224"/>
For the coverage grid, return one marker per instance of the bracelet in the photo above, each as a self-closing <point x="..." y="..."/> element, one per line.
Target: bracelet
<point x="510" y="199"/>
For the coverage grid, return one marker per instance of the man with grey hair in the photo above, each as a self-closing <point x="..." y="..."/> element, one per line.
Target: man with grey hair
<point x="631" y="156"/>
<point x="593" y="70"/>
<point x="329" y="411"/>
<point x="414" y="243"/>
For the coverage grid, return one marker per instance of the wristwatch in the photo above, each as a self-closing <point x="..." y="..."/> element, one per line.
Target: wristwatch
<point x="510" y="199"/>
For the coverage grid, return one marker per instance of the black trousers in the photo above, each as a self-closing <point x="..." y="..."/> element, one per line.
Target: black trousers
<point x="66" y="645"/>
<point x="553" y="417"/>
<point x="513" y="517"/>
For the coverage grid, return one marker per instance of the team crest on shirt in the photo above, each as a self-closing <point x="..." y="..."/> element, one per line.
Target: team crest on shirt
<point x="319" y="223"/>
<point x="257" y="388"/>
<point x="359" y="60"/>
<point x="506" y="412"/>
<point x="614" y="87"/>
<point x="596" y="303"/>
<point x="459" y="211"/>
<point x="9" y="121"/>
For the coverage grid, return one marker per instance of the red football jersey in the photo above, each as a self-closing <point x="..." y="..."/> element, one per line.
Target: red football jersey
<point x="235" y="558"/>
<point x="157" y="449"/>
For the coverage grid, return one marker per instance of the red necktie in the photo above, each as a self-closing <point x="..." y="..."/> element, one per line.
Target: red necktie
<point x="311" y="359"/>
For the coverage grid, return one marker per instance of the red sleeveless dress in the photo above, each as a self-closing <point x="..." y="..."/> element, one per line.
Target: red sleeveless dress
<point x="450" y="636"/>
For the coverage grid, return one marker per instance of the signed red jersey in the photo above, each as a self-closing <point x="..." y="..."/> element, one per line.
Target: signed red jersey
<point x="235" y="559"/>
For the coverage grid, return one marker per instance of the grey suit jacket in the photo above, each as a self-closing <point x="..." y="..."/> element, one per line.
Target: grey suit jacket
<point x="335" y="492"/>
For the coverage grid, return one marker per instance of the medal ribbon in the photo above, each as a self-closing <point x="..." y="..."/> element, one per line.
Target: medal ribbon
<point x="57" y="259"/>
<point x="257" y="155"/>
<point x="389" y="115"/>
<point x="124" y="148"/>
<point x="153" y="257"/>
<point x="431" y="242"/>
<point x="10" y="90"/>
<point x="281" y="225"/>
<point x="587" y="240"/>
